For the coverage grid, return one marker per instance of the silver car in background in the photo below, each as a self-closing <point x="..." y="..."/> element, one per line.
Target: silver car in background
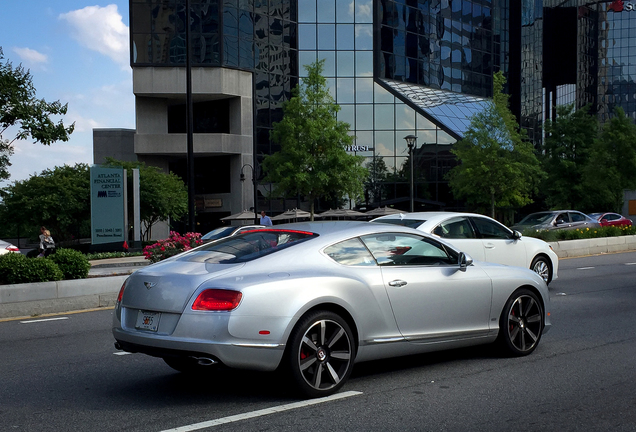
<point x="314" y="298"/>
<point x="556" y="219"/>
<point x="484" y="239"/>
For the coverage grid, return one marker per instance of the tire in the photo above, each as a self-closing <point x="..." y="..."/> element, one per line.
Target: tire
<point x="321" y="354"/>
<point x="542" y="266"/>
<point x="521" y="323"/>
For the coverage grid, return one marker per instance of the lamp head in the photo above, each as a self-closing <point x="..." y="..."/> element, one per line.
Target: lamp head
<point x="410" y="140"/>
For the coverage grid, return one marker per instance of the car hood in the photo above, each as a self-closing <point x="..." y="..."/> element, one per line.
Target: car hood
<point x="168" y="286"/>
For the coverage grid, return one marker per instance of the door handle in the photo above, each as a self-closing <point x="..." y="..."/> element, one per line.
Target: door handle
<point x="489" y="245"/>
<point x="397" y="283"/>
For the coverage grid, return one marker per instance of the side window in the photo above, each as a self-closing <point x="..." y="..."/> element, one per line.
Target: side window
<point x="456" y="228"/>
<point x="351" y="253"/>
<point x="612" y="217"/>
<point x="577" y="217"/>
<point x="562" y="218"/>
<point x="490" y="229"/>
<point x="407" y="250"/>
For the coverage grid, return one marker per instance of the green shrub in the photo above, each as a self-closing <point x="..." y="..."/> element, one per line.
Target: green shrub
<point x="16" y="268"/>
<point x="72" y="263"/>
<point x="576" y="234"/>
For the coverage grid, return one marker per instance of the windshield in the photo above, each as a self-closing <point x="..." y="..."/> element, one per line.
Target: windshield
<point x="247" y="246"/>
<point x="219" y="233"/>
<point x="536" y="218"/>
<point x="411" y="223"/>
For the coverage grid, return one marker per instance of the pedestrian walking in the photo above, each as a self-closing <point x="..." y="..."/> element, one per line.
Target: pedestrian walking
<point x="47" y="245"/>
<point x="265" y="220"/>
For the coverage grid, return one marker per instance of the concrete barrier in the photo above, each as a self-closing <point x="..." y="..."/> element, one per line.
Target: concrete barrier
<point x="63" y="296"/>
<point x="595" y="246"/>
<point x="40" y="298"/>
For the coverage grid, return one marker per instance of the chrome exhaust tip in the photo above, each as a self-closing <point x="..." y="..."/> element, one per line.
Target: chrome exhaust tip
<point x="205" y="361"/>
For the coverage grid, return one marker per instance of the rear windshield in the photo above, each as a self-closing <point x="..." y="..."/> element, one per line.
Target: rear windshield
<point x="219" y="233"/>
<point x="247" y="246"/>
<point x="536" y="218"/>
<point x="411" y="223"/>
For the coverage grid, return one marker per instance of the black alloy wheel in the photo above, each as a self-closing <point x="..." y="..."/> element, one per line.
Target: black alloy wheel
<point x="321" y="354"/>
<point x="542" y="267"/>
<point x="521" y="323"/>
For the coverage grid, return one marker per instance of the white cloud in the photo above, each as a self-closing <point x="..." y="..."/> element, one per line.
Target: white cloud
<point x="31" y="57"/>
<point x="101" y="29"/>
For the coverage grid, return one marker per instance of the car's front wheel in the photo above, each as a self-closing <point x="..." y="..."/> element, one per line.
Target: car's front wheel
<point x="542" y="267"/>
<point x="321" y="353"/>
<point x="521" y="323"/>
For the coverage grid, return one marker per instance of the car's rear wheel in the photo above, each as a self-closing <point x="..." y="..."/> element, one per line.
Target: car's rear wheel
<point x="542" y="267"/>
<point x="521" y="323"/>
<point x="321" y="354"/>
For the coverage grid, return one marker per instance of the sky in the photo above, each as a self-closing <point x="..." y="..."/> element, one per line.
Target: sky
<point x="78" y="53"/>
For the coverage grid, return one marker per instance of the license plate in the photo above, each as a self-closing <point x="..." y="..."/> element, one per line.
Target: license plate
<point x="148" y="320"/>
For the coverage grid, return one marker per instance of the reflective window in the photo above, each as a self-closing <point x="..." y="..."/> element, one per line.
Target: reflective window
<point x="307" y="36"/>
<point x="345" y="63"/>
<point x="326" y="36"/>
<point x="384" y="117"/>
<point x="490" y="229"/>
<point x="345" y="90"/>
<point x="350" y="252"/>
<point x="400" y="249"/>
<point x="345" y="36"/>
<point x="364" y="117"/>
<point x="306" y="11"/>
<point x="456" y="228"/>
<point x="364" y="90"/>
<point x="326" y="11"/>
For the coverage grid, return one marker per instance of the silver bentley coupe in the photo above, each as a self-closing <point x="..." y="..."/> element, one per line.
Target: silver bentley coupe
<point x="313" y="298"/>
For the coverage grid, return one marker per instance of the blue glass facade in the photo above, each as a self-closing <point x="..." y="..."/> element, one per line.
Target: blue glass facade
<point x="395" y="67"/>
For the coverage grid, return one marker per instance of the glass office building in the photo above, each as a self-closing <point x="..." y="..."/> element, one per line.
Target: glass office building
<point x="395" y="67"/>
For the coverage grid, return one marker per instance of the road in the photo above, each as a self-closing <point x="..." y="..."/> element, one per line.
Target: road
<point x="63" y="374"/>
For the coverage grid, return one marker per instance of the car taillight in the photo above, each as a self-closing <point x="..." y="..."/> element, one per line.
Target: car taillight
<point x="121" y="292"/>
<point x="217" y="300"/>
<point x="12" y="248"/>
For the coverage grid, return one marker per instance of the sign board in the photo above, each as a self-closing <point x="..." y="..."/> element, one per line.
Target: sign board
<point x="107" y="205"/>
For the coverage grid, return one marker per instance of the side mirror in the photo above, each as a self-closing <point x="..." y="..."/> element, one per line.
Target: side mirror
<point x="560" y="221"/>
<point x="516" y="234"/>
<point x="464" y="261"/>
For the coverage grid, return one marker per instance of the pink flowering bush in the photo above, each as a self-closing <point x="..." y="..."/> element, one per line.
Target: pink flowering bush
<point x="171" y="246"/>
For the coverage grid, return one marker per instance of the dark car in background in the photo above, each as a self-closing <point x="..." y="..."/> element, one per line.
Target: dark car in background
<point x="556" y="219"/>
<point x="610" y="219"/>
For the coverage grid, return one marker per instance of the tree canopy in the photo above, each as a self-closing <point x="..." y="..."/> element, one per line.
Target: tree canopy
<point x="19" y="107"/>
<point x="497" y="166"/>
<point x="566" y="154"/>
<point x="312" y="160"/>
<point x="57" y="198"/>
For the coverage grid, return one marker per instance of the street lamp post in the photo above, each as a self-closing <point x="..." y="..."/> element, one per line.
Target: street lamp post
<point x="256" y="220"/>
<point x="410" y="142"/>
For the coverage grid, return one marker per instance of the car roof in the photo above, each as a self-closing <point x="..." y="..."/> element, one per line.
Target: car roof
<point x="429" y="216"/>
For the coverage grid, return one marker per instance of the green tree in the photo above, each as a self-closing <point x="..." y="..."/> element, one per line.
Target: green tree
<point x="312" y="160"/>
<point x="57" y="198"/>
<point x="566" y="154"/>
<point x="613" y="166"/>
<point x="20" y="108"/>
<point x="497" y="166"/>
<point x="162" y="196"/>
<point x="375" y="189"/>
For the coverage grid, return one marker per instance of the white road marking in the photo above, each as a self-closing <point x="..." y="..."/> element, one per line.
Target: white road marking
<point x="585" y="268"/>
<point x="630" y="263"/>
<point x="43" y="319"/>
<point x="263" y="412"/>
<point x="122" y="353"/>
<point x="561" y="294"/>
